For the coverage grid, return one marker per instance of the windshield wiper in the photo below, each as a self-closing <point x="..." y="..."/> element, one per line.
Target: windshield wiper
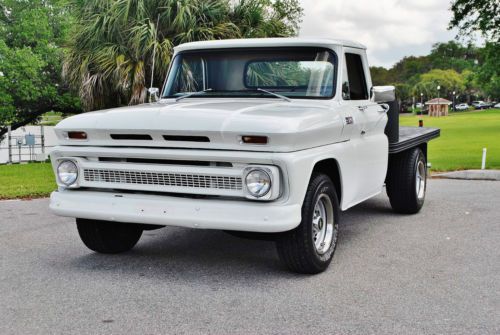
<point x="274" y="93"/>
<point x="258" y="89"/>
<point x="191" y="94"/>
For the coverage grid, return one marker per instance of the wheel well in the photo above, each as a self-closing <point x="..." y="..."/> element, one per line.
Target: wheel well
<point x="330" y="167"/>
<point x="423" y="146"/>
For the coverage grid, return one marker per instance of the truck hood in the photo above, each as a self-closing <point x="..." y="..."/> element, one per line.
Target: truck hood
<point x="290" y="126"/>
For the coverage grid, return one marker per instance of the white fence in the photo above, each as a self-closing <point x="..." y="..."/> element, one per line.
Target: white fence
<point x="30" y="143"/>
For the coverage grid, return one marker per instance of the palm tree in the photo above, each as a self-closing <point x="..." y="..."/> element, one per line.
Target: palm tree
<point x="110" y="54"/>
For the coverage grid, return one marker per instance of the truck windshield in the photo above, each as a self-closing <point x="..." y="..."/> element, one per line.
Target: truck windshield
<point x="290" y="72"/>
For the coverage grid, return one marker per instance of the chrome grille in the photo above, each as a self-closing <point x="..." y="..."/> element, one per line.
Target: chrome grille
<point x="163" y="179"/>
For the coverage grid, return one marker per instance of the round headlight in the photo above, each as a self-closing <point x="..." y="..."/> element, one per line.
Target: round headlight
<point x="67" y="171"/>
<point x="258" y="183"/>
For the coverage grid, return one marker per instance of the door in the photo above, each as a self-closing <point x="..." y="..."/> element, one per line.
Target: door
<point x="369" y="151"/>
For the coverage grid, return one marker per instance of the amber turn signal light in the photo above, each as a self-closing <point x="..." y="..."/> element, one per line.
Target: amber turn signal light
<point x="254" y="139"/>
<point x="77" y="135"/>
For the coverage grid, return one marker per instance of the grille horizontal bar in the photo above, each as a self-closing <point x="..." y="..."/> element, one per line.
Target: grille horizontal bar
<point x="188" y="180"/>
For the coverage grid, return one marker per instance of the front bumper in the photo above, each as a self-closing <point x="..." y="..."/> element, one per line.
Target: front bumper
<point x="269" y="217"/>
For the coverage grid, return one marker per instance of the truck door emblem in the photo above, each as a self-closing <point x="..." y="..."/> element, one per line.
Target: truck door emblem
<point x="349" y="120"/>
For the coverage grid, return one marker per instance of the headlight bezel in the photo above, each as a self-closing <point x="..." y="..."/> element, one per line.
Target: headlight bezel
<point x="263" y="176"/>
<point x="274" y="182"/>
<point x="74" y="182"/>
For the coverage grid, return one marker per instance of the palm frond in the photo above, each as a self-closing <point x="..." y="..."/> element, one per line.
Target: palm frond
<point x="110" y="54"/>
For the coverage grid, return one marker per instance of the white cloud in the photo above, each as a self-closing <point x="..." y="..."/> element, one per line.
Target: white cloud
<point x="390" y="29"/>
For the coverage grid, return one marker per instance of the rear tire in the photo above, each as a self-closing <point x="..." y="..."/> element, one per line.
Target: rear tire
<point x="108" y="237"/>
<point x="309" y="248"/>
<point x="407" y="181"/>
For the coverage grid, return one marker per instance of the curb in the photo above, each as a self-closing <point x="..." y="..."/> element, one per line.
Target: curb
<point x="470" y="175"/>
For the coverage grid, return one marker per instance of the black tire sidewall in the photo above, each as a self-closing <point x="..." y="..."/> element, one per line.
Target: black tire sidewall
<point x="401" y="181"/>
<point x="323" y="186"/>
<point x="420" y="157"/>
<point x="108" y="237"/>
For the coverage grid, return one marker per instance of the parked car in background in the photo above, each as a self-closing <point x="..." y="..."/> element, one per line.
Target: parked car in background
<point x="480" y="105"/>
<point x="497" y="105"/>
<point x="462" y="107"/>
<point x="419" y="105"/>
<point x="489" y="104"/>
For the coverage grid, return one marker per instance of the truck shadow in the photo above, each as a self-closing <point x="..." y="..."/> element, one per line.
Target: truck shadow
<point x="190" y="255"/>
<point x="184" y="254"/>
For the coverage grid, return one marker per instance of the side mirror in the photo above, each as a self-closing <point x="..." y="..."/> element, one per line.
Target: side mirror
<point x="153" y="94"/>
<point x="383" y="93"/>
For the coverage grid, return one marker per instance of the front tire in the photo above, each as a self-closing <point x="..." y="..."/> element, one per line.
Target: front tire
<point x="407" y="181"/>
<point x="108" y="237"/>
<point x="309" y="248"/>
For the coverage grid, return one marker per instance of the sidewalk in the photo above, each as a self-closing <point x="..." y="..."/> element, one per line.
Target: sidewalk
<point x="470" y="175"/>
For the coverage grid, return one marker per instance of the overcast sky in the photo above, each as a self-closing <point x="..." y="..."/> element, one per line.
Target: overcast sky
<point x="390" y="29"/>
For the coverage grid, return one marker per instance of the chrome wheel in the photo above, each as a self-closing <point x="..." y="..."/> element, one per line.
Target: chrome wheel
<point x="323" y="224"/>
<point x="420" y="179"/>
<point x="310" y="247"/>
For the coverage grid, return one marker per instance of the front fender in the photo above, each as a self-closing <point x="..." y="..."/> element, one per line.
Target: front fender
<point x="299" y="167"/>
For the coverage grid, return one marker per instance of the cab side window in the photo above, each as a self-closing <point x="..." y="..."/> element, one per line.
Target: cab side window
<point x="354" y="81"/>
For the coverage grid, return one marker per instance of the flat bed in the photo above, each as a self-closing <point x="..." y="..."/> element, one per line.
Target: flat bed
<point x="410" y="137"/>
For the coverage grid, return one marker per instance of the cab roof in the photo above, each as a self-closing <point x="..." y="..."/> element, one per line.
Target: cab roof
<point x="267" y="42"/>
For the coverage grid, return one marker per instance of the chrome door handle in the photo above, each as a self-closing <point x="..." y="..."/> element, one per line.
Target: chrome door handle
<point x="362" y="108"/>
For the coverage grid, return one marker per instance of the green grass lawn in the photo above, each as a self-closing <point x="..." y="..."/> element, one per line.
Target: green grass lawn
<point x="26" y="180"/>
<point x="463" y="137"/>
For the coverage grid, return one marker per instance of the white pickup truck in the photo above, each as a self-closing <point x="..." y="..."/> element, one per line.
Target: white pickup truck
<point x="263" y="137"/>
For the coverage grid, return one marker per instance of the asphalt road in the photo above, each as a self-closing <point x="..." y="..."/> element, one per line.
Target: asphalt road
<point x="437" y="272"/>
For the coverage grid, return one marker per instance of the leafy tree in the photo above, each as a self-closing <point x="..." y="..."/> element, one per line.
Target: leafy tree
<point x="482" y="16"/>
<point x="112" y="46"/>
<point x="380" y="75"/>
<point x="488" y="73"/>
<point x="266" y="18"/>
<point x="471" y="86"/>
<point x="478" y="68"/>
<point x="477" y="15"/>
<point x="408" y="67"/>
<point x="403" y="92"/>
<point x="30" y="58"/>
<point x="452" y="55"/>
<point x="448" y="80"/>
